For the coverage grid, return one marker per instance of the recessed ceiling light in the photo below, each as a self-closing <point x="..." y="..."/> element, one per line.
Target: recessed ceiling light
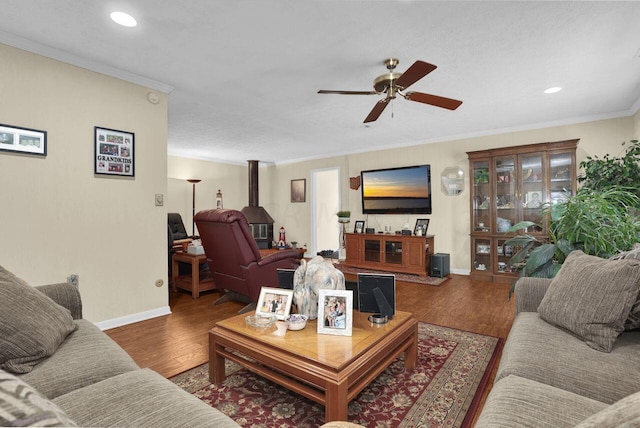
<point x="123" y="19"/>
<point x="553" y="90"/>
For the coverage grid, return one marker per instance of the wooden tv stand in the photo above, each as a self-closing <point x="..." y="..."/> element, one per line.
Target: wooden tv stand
<point x="390" y="252"/>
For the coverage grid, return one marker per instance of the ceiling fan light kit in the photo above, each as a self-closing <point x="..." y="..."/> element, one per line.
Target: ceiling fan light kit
<point x="392" y="83"/>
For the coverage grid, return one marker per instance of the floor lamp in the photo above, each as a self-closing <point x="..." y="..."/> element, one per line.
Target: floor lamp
<point x="193" y="182"/>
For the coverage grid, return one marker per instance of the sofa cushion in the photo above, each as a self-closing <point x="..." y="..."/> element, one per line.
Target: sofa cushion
<point x="538" y="351"/>
<point x="21" y="405"/>
<point x="141" y="398"/>
<point x="624" y="413"/>
<point x="633" y="321"/>
<point x="592" y="298"/>
<point x="32" y="326"/>
<point x="87" y="356"/>
<point x="518" y="402"/>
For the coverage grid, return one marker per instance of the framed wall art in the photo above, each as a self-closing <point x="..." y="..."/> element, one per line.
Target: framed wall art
<point x="23" y="140"/>
<point x="299" y="190"/>
<point x="335" y="312"/>
<point x="114" y="152"/>
<point x="274" y="301"/>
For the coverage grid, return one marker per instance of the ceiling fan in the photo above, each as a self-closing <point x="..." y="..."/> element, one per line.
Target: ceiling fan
<point x="395" y="83"/>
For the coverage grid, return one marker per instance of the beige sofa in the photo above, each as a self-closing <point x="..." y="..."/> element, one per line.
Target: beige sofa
<point x="86" y="379"/>
<point x="555" y="370"/>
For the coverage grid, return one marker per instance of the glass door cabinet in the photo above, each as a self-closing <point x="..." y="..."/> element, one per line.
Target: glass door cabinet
<point x="510" y="185"/>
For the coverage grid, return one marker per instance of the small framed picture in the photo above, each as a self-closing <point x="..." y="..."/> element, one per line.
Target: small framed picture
<point x="114" y="152"/>
<point x="421" y="227"/>
<point x="274" y="301"/>
<point x="335" y="312"/>
<point x="359" y="227"/>
<point x="23" y="140"/>
<point x="534" y="199"/>
<point x="299" y="190"/>
<point x="483" y="248"/>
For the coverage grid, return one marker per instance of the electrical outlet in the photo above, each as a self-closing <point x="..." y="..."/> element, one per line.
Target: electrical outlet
<point x="74" y="280"/>
<point x="159" y="199"/>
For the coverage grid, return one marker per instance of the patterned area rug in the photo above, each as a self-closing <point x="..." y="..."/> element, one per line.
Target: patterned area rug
<point x="443" y="390"/>
<point x="427" y="280"/>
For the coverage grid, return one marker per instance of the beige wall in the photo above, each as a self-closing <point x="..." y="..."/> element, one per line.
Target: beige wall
<point x="450" y="218"/>
<point x="231" y="179"/>
<point x="59" y="218"/>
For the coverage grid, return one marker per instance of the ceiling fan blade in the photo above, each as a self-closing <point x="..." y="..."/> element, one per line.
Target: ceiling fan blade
<point x="434" y="100"/>
<point x="417" y="71"/>
<point x="324" y="91"/>
<point x="377" y="110"/>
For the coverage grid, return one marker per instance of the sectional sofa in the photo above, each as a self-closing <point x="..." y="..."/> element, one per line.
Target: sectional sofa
<point x="572" y="357"/>
<point x="57" y="369"/>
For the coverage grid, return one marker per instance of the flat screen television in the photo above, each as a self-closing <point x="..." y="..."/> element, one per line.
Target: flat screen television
<point x="404" y="190"/>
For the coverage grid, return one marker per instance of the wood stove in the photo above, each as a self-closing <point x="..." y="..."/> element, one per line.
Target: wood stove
<point x="260" y="222"/>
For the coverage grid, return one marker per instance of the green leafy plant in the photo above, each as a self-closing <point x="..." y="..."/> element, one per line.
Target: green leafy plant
<point x="611" y="171"/>
<point x="345" y="214"/>
<point x="598" y="222"/>
<point x="481" y="176"/>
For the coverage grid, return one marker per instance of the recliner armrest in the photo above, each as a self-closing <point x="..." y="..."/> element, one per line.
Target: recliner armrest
<point x="280" y="255"/>
<point x="65" y="295"/>
<point x="529" y="293"/>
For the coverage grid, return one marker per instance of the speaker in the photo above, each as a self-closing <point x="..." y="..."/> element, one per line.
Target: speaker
<point x="439" y="265"/>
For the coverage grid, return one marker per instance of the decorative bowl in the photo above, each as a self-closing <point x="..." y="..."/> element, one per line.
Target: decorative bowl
<point x="296" y="321"/>
<point x="261" y="322"/>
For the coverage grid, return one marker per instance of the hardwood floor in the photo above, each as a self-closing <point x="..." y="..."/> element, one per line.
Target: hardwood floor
<point x="178" y="342"/>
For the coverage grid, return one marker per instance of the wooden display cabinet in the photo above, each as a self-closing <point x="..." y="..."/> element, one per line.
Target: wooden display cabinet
<point x="509" y="185"/>
<point x="393" y="253"/>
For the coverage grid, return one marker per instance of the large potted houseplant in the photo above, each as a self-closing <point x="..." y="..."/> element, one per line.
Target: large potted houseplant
<point x="598" y="222"/>
<point x="611" y="171"/>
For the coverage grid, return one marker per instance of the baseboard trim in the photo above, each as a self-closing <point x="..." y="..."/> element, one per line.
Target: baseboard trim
<point x="133" y="318"/>
<point x="466" y="272"/>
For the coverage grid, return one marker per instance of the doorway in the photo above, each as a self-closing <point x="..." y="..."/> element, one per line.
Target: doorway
<point x="325" y="203"/>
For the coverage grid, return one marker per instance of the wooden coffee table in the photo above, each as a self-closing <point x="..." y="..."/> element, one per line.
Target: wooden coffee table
<point x="330" y="370"/>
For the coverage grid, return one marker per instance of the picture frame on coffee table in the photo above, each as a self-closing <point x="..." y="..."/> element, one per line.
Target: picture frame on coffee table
<point x="274" y="301"/>
<point x="335" y="312"/>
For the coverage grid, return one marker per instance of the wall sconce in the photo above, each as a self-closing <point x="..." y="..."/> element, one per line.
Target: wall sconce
<point x="452" y="180"/>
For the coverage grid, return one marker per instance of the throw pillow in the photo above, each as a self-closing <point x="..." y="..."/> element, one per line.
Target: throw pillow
<point x="592" y="297"/>
<point x="22" y="406"/>
<point x="633" y="322"/>
<point x="623" y="413"/>
<point x="32" y="326"/>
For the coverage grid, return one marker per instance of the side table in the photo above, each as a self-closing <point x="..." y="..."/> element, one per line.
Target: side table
<point x="192" y="283"/>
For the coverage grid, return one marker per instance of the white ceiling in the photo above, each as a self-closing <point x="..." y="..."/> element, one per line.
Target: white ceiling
<point x="243" y="74"/>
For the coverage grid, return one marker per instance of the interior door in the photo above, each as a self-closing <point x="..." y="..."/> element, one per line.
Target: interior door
<point x="325" y="203"/>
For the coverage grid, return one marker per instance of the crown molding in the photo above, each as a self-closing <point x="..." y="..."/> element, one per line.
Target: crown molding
<point x="59" y="55"/>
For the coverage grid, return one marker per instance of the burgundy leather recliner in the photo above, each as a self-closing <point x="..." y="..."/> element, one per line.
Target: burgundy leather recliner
<point x="234" y="257"/>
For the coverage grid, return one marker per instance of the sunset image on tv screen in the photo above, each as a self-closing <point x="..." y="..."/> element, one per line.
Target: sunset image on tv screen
<point x="396" y="190"/>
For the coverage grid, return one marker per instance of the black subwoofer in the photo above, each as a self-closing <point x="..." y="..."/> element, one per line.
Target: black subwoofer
<point x="439" y="265"/>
